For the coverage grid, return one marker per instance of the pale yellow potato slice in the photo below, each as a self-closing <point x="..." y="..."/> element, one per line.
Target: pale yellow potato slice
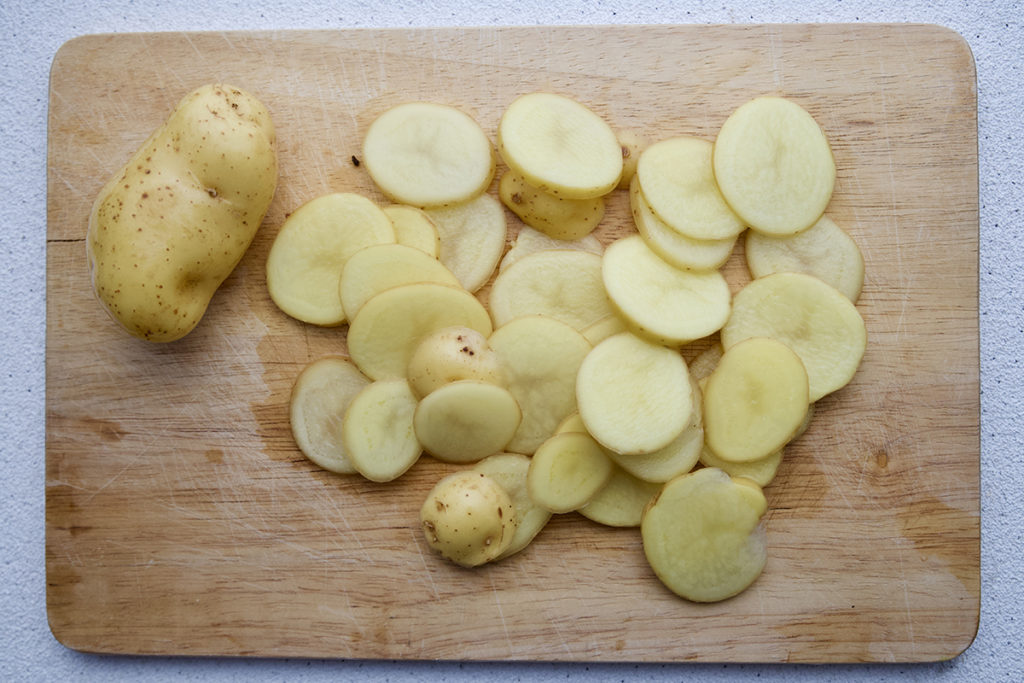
<point x="472" y="238"/>
<point x="451" y="354"/>
<point x="571" y="425"/>
<point x="761" y="471"/>
<point x="510" y="471"/>
<point x="413" y="228"/>
<point x="560" y="146"/>
<point x="823" y="250"/>
<point x="706" y="361"/>
<point x="541" y="357"/>
<point x="427" y="154"/>
<point x="466" y="421"/>
<point x="310" y="251"/>
<point x="660" y="301"/>
<point x="567" y="471"/>
<point x="378" y="432"/>
<point x="754" y="400"/>
<point x="530" y="241"/>
<point x="559" y="217"/>
<point x="774" y="166"/>
<point x="622" y="501"/>
<point x="812" y="318"/>
<point x="564" y="284"/>
<point x="388" y="327"/>
<point x="597" y="332"/>
<point x="371" y="270"/>
<point x="672" y="246"/>
<point x="720" y="550"/>
<point x="678" y="182"/>
<point x="632" y="143"/>
<point x="633" y="396"/>
<point x="320" y="396"/>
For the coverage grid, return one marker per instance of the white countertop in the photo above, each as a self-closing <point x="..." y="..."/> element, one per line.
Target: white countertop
<point x="33" y="30"/>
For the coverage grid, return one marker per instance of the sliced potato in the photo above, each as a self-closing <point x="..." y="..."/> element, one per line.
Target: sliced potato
<point x="510" y="471"/>
<point x="774" y="166"/>
<point x="427" y="154"/>
<point x="413" y="228"/>
<point x="466" y="421"/>
<point x="567" y="471"/>
<point x="761" y="471"/>
<point x="560" y="146"/>
<point x="607" y="326"/>
<point x="378" y="432"/>
<point x="468" y="518"/>
<point x="530" y="241"/>
<point x="472" y="238"/>
<point x="371" y="270"/>
<point x="560" y="217"/>
<point x="622" y="501"/>
<point x="706" y="361"/>
<point x="572" y="424"/>
<point x="720" y="549"/>
<point x="310" y="251"/>
<point x="388" y="327"/>
<point x="451" y="354"/>
<point x="632" y="143"/>
<point x="321" y="395"/>
<point x="659" y="301"/>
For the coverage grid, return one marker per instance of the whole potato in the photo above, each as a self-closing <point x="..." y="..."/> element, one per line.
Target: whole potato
<point x="469" y="518"/>
<point x="172" y="224"/>
<point x="452" y="354"/>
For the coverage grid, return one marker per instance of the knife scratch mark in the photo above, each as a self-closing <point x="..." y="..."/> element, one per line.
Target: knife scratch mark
<point x="426" y="569"/>
<point x="501" y="614"/>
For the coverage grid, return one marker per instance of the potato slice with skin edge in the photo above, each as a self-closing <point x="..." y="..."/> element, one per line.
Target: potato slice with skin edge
<point x="320" y="396"/>
<point x="705" y="362"/>
<point x="472" y="238"/>
<point x="378" y="432"/>
<point x="560" y="283"/>
<point x="510" y="471"/>
<point x="466" y="421"/>
<point x="451" y="354"/>
<point x="632" y="143"/>
<point x="659" y="301"/>
<point x="428" y="154"/>
<point x="371" y="270"/>
<point x="560" y="146"/>
<point x="413" y="228"/>
<point x="774" y="165"/>
<point x="604" y="328"/>
<point x="567" y="471"/>
<point x="559" y="217"/>
<point x="530" y="241"/>
<point x="761" y="472"/>
<point x="385" y="332"/>
<point x="720" y="550"/>
<point x="815" y="320"/>
<point x="310" y="251"/>
<point x="622" y="501"/>
<point x="468" y="518"/>
<point x="633" y="396"/>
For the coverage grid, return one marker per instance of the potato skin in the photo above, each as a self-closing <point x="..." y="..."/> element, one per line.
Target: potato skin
<point x="468" y="518"/>
<point x="170" y="226"/>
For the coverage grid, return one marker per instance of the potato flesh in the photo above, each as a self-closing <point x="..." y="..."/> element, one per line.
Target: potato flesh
<point x="472" y="238"/>
<point x="373" y="269"/>
<point x="567" y="471"/>
<point x="413" y="228"/>
<point x="510" y="470"/>
<point x="761" y="471"/>
<point x="468" y="518"/>
<point x="604" y="328"/>
<point x="632" y="143"/>
<point x="621" y="502"/>
<point x="560" y="217"/>
<point x="466" y="421"/>
<point x="530" y="241"/>
<point x="378" y="430"/>
<point x="451" y="354"/>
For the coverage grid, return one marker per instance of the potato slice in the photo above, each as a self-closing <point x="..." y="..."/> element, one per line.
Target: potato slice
<point x="634" y="396"/>
<point x="385" y="332"/>
<point x="774" y="166"/>
<point x="632" y="143"/>
<point x="720" y="550"/>
<point x="659" y="301"/>
<point x="541" y="357"/>
<point x="468" y="518"/>
<point x="510" y="471"/>
<point x="451" y="354"/>
<point x="563" y="284"/>
<point x="761" y="471"/>
<point x="597" y="332"/>
<point x="823" y="250"/>
<point x="310" y="251"/>
<point x="320" y="396"/>
<point x="812" y="318"/>
<point x="678" y="182"/>
<point x="530" y="241"/>
<point x="466" y="421"/>
<point x="371" y="270"/>
<point x="378" y="432"/>
<point x="622" y="501"/>
<point x="706" y="361"/>
<point x="754" y="400"/>
<point x="674" y="247"/>
<point x="560" y="217"/>
<point x="413" y="228"/>
<point x="427" y="154"/>
<point x="560" y="146"/>
<point x="571" y="425"/>
<point x="472" y="238"/>
<point x="567" y="471"/>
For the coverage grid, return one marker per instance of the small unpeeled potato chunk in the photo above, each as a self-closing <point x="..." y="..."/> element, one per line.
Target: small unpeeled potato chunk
<point x="560" y="217"/>
<point x="633" y="396"/>
<point x="309" y="253"/>
<point x="755" y="400"/>
<point x="510" y="471"/>
<point x="560" y="146"/>
<point x="774" y="166"/>
<point x="472" y="238"/>
<point x="567" y="471"/>
<point x="427" y="154"/>
<point x="378" y="430"/>
<point x="451" y="354"/>
<point x="468" y="518"/>
<point x="530" y="241"/>
<point x="322" y="393"/>
<point x="622" y="500"/>
<point x="703" y="537"/>
<point x="466" y="421"/>
<point x="371" y="270"/>
<point x="413" y="228"/>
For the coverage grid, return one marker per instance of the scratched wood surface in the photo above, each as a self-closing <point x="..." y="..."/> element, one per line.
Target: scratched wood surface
<point x="181" y="519"/>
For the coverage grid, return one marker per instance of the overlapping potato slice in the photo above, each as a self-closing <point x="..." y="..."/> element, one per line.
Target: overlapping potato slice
<point x="632" y="143"/>
<point x="530" y="241"/>
<point x="371" y="270"/>
<point x="378" y="430"/>
<point x="472" y="238"/>
<point x="466" y="421"/>
<point x="560" y="217"/>
<point x="761" y="471"/>
<point x="320" y="396"/>
<point x="510" y="471"/>
<point x="567" y="471"/>
<point x="597" y="332"/>
<point x="413" y="228"/>
<point x="621" y="502"/>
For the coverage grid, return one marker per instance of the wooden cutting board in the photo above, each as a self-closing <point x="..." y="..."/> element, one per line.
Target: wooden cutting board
<point x="181" y="518"/>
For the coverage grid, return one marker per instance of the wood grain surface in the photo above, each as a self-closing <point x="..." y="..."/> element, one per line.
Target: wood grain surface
<point x="181" y="518"/>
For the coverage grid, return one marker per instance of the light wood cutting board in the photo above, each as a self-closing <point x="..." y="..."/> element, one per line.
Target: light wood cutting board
<point x="181" y="519"/>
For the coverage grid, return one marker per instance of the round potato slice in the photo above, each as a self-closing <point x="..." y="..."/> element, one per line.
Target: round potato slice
<point x="468" y="518"/>
<point x="371" y="270"/>
<point x="571" y="425"/>
<point x="706" y="361"/>
<point x="812" y="318"/>
<point x="530" y="241"/>
<point x="659" y="301"/>
<point x="310" y="251"/>
<point x="720" y="549"/>
<point x="761" y="471"/>
<point x="451" y="354"/>
<point x="567" y="471"/>
<point x="472" y="238"/>
<point x="560" y="146"/>
<point x="560" y="217"/>
<point x="426" y="154"/>
<point x="466" y="421"/>
<point x="321" y="395"/>
<point x="388" y="327"/>
<point x="622" y="501"/>
<point x="413" y="228"/>
<point x="633" y="396"/>
<point x="774" y="166"/>
<point x="378" y="432"/>
<point x="597" y="332"/>
<point x="510" y="471"/>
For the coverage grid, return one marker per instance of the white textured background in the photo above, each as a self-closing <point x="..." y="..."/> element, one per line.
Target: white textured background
<point x="31" y="31"/>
